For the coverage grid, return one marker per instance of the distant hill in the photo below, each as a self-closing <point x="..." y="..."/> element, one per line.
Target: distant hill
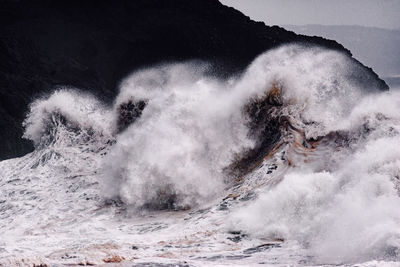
<point x="375" y="47"/>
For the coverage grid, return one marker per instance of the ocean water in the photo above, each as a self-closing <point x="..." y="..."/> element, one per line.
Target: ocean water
<point x="151" y="180"/>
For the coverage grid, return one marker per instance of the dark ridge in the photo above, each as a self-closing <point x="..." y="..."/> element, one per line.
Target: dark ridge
<point x="93" y="44"/>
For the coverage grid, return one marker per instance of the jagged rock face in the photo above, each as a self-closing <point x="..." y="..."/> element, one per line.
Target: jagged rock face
<point x="128" y="113"/>
<point x="264" y="127"/>
<point x="92" y="45"/>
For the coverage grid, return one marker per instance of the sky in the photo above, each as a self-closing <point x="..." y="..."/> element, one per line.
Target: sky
<point x="370" y="13"/>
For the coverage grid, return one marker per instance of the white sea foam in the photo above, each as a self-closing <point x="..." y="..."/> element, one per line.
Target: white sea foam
<point x="193" y="126"/>
<point x="65" y="115"/>
<point x="189" y="131"/>
<point x="337" y="203"/>
<point x="348" y="213"/>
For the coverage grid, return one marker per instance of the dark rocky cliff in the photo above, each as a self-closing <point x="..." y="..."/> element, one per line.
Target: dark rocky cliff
<point x="92" y="45"/>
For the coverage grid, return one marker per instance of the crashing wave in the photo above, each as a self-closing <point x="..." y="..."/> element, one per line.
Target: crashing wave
<point x="301" y="150"/>
<point x="67" y="117"/>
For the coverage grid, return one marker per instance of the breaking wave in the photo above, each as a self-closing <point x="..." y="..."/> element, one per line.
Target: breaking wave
<point x="179" y="138"/>
<point x="67" y="117"/>
<point x="341" y="201"/>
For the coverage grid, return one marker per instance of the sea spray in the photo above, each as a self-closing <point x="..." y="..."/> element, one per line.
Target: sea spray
<point x="175" y="153"/>
<point x="67" y="117"/>
<point x="194" y="126"/>
<point x="342" y="206"/>
<point x="335" y="198"/>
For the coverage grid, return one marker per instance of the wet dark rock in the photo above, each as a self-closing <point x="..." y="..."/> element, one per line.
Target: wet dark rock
<point x="237" y="238"/>
<point x="271" y="169"/>
<point x="129" y="112"/>
<point x="117" y="202"/>
<point x="165" y="199"/>
<point x="93" y="44"/>
<point x="264" y="127"/>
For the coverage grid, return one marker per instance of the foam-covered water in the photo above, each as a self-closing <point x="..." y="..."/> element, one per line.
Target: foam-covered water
<point x="190" y="129"/>
<point x="153" y="178"/>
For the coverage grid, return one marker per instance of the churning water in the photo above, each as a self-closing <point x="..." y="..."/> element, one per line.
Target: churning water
<point x="295" y="162"/>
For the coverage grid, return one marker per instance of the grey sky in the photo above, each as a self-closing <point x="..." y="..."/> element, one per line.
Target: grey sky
<point x="372" y="13"/>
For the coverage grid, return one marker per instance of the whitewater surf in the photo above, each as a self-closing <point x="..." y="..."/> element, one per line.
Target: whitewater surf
<point x="294" y="162"/>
